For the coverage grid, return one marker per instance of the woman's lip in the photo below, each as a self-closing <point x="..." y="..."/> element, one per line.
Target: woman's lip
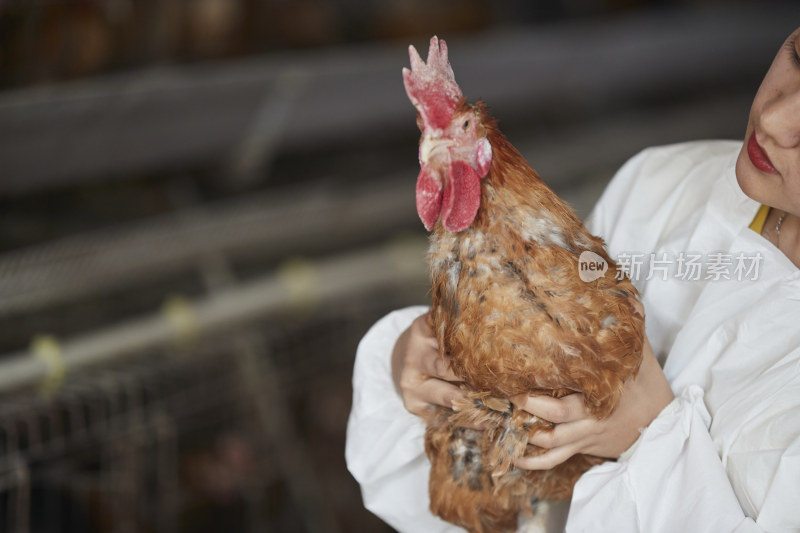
<point x="759" y="157"/>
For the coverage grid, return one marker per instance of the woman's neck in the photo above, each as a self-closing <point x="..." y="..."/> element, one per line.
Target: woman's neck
<point x="783" y="230"/>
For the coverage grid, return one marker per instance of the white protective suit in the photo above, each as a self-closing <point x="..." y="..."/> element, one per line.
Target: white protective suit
<point x="725" y="454"/>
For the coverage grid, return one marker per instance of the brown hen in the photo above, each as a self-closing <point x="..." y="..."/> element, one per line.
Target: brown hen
<point x="510" y="311"/>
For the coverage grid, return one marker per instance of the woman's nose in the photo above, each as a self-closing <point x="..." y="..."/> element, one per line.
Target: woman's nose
<point x="780" y="119"/>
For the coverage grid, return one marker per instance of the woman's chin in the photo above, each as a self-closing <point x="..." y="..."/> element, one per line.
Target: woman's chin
<point x="745" y="174"/>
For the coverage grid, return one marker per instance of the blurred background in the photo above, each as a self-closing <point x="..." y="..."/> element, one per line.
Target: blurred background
<point x="204" y="204"/>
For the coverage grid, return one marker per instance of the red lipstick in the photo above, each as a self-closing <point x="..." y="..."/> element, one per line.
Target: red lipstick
<point x="759" y="157"/>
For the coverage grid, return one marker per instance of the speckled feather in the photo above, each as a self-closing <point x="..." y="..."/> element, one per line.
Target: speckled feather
<point x="512" y="316"/>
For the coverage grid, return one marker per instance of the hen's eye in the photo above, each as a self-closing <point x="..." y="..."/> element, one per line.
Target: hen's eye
<point x="466" y="124"/>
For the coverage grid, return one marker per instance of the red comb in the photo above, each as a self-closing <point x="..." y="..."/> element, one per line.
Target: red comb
<point x="431" y="86"/>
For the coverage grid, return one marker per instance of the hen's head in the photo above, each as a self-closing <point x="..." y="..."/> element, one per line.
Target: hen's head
<point x="454" y="153"/>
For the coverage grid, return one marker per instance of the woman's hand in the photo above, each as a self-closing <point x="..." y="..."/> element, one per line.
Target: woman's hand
<point x="576" y="431"/>
<point x="421" y="376"/>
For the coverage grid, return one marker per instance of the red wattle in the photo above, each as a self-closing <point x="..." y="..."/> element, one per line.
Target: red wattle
<point x="429" y="196"/>
<point x="461" y="198"/>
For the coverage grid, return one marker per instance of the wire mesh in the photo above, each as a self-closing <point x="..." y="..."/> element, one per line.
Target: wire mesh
<point x="171" y="442"/>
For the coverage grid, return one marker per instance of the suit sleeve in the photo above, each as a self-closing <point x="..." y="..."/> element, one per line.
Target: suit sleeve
<point x="385" y="443"/>
<point x="671" y="480"/>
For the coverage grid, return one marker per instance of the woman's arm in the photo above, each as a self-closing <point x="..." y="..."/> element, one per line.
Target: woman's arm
<point x="577" y="431"/>
<point x="671" y="480"/>
<point x="385" y="442"/>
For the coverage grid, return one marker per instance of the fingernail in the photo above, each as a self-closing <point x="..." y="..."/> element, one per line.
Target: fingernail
<point x="517" y="399"/>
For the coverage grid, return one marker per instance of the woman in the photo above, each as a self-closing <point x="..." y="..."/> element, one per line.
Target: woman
<point x="716" y="226"/>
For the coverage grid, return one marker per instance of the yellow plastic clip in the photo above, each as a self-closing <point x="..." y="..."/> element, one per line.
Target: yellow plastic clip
<point x="180" y="314"/>
<point x="47" y="349"/>
<point x="301" y="281"/>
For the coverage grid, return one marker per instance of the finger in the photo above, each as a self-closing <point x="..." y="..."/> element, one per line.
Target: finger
<point x="433" y="364"/>
<point x="424" y="332"/>
<point x="416" y="406"/>
<point x="444" y="371"/>
<point x="556" y="410"/>
<point x="438" y="392"/>
<point x="546" y="460"/>
<point x="571" y="433"/>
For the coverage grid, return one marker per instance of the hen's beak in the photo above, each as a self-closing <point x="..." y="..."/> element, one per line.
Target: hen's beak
<point x="429" y="145"/>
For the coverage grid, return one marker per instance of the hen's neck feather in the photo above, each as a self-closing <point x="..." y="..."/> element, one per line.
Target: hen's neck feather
<point x="512" y="183"/>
